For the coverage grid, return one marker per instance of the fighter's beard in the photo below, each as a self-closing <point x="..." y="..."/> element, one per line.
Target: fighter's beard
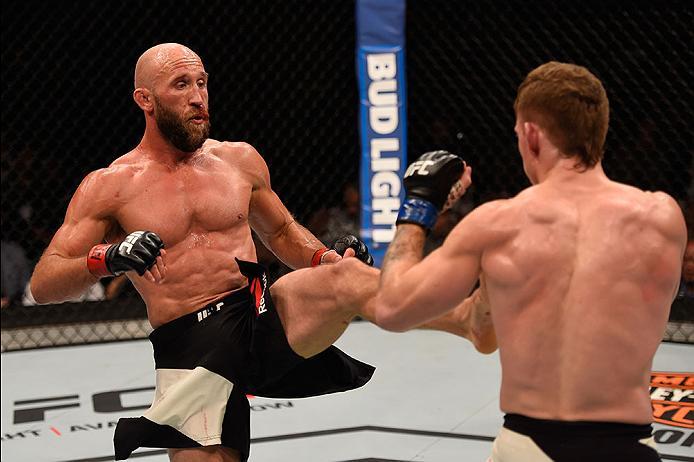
<point x="184" y="135"/>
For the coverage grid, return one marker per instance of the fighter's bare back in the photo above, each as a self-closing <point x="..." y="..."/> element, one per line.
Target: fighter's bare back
<point x="593" y="266"/>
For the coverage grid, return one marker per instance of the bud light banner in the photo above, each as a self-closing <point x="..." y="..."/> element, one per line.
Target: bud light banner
<point x="383" y="117"/>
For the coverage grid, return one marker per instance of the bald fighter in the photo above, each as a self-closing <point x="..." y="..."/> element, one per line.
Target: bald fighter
<point x="580" y="272"/>
<point x="175" y="215"/>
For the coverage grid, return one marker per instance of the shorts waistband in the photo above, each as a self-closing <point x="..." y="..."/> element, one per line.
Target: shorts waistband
<point x="178" y="325"/>
<point x="534" y="427"/>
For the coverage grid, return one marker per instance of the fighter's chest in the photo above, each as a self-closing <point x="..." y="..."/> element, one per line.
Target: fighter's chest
<point x="177" y="204"/>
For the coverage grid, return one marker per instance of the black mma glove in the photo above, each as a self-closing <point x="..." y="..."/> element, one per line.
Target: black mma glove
<point x="428" y="181"/>
<point x="137" y="252"/>
<point x="361" y="251"/>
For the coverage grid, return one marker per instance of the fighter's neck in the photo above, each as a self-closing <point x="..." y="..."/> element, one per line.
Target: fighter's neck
<point x="565" y="171"/>
<point x="159" y="149"/>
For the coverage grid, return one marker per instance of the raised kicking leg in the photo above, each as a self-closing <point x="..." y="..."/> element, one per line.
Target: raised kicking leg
<point x="316" y="305"/>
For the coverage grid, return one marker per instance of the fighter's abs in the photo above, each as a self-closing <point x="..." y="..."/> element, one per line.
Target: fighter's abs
<point x="201" y="214"/>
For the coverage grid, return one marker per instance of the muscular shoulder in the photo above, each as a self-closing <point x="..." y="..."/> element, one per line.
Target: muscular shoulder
<point x="654" y="206"/>
<point x="243" y="157"/>
<point x="647" y="211"/>
<point x="94" y="196"/>
<point x="486" y="224"/>
<point x="495" y="222"/>
<point x="504" y="214"/>
<point x="492" y="211"/>
<point x="665" y="214"/>
<point x="100" y="190"/>
<point x="238" y="152"/>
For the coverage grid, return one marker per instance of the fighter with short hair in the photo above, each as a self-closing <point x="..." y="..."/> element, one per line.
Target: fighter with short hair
<point x="176" y="215"/>
<point x="579" y="271"/>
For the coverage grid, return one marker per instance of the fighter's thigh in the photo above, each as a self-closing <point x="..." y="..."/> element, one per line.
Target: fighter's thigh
<point x="340" y="287"/>
<point x="315" y="305"/>
<point x="204" y="454"/>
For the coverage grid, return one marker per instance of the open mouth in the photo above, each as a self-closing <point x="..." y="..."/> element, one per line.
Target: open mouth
<point x="199" y="119"/>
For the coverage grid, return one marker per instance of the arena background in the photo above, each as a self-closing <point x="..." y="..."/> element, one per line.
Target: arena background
<point x="283" y="79"/>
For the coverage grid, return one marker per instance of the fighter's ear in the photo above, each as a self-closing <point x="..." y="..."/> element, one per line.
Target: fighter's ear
<point x="143" y="97"/>
<point x="532" y="135"/>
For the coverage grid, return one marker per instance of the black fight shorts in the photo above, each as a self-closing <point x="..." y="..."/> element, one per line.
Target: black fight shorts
<point x="209" y="360"/>
<point x="525" y="438"/>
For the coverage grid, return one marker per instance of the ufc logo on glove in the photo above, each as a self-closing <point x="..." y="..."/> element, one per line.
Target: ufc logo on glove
<point x="127" y="244"/>
<point x="419" y="167"/>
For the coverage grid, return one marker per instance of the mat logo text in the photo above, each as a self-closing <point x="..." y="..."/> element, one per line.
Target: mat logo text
<point x="672" y="396"/>
<point x="34" y="410"/>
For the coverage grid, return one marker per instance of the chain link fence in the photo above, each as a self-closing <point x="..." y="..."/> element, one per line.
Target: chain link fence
<point x="283" y="79"/>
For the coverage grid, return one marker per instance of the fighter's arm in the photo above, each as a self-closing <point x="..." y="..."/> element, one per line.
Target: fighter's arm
<point x="272" y="222"/>
<point x="73" y="261"/>
<point x="62" y="272"/>
<point x="668" y="218"/>
<point x="471" y="319"/>
<point x="414" y="291"/>
<point x="482" y="333"/>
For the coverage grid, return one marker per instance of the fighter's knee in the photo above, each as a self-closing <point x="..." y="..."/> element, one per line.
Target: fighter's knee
<point x="351" y="271"/>
<point x="353" y="283"/>
<point x="348" y="266"/>
<point x="338" y="276"/>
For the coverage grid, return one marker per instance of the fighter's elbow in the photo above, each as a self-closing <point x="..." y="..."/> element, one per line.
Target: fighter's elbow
<point x="35" y="291"/>
<point x="485" y="344"/>
<point x="486" y="348"/>
<point x="36" y="297"/>
<point x="39" y="291"/>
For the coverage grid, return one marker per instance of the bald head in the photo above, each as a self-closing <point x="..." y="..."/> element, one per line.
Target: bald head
<point x="159" y="59"/>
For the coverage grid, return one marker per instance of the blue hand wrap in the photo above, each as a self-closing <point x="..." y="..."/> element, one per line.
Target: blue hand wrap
<point x="419" y="212"/>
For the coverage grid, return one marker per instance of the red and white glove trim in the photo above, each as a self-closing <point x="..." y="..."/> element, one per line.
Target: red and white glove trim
<point x="317" y="258"/>
<point x="96" y="261"/>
